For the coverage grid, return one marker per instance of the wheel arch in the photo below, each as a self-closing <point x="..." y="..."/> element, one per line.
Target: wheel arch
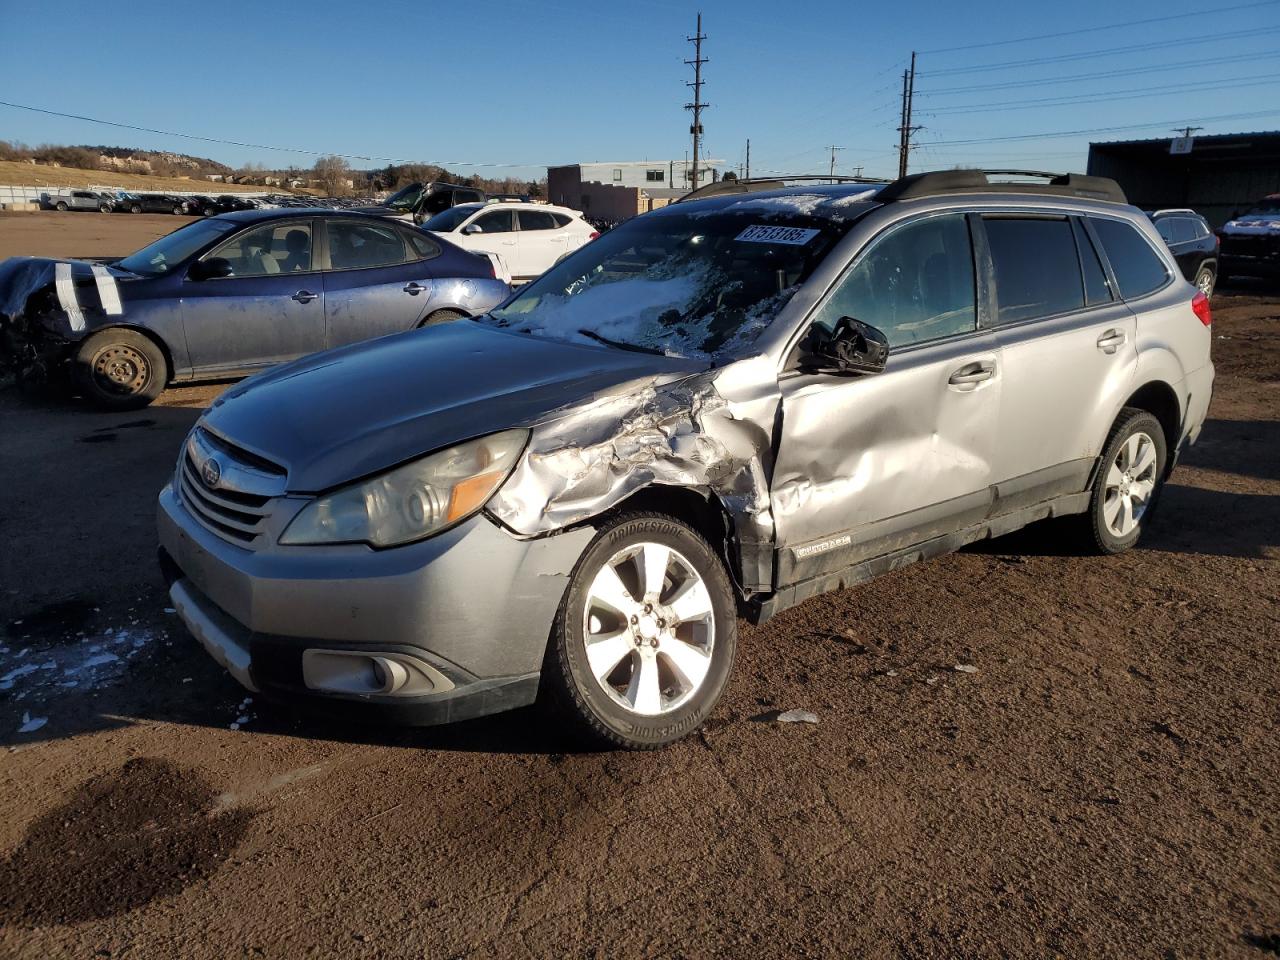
<point x="702" y="510"/>
<point x="1160" y="400"/>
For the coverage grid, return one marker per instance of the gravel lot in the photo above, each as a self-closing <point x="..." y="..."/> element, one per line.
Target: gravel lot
<point x="1104" y="784"/>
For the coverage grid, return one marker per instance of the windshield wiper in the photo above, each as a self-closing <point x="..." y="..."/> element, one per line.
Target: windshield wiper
<point x="619" y="344"/>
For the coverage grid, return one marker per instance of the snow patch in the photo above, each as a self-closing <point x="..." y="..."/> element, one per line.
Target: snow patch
<point x="86" y="663"/>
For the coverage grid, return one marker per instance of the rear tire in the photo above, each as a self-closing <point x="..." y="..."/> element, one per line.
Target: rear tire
<point x="104" y="208"/>
<point x="645" y="637"/>
<point x="1130" y="477"/>
<point x="442" y="316"/>
<point x="135" y="209"/>
<point x="60" y="206"/>
<point x="178" y="211"/>
<point x="1205" y="281"/>
<point x="120" y="369"/>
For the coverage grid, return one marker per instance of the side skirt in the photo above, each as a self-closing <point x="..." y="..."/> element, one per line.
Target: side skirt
<point x="858" y="573"/>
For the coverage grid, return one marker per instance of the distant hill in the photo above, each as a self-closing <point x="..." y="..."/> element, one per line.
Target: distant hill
<point x="202" y="164"/>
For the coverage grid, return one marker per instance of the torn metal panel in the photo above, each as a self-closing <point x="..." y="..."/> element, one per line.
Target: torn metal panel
<point x="710" y="432"/>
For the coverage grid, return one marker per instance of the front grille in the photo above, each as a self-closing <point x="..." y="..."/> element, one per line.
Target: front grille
<point x="238" y="505"/>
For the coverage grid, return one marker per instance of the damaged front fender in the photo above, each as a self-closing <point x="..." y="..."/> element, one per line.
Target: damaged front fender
<point x="711" y="432"/>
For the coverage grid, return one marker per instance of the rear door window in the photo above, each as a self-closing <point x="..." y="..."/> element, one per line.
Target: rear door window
<point x="1137" y="267"/>
<point x="1184" y="230"/>
<point x="536" y="220"/>
<point x="1036" y="265"/>
<point x="355" y="245"/>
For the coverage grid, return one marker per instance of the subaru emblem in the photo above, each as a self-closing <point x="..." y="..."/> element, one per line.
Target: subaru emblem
<point x="211" y="472"/>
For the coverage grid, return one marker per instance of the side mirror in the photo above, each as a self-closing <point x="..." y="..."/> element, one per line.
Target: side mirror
<point x="851" y="347"/>
<point x="473" y="228"/>
<point x="214" y="268"/>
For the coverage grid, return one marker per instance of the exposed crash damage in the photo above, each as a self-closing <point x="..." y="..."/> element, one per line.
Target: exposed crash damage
<point x="685" y="435"/>
<point x="725" y="406"/>
<point x="230" y="295"/>
<point x="47" y="307"/>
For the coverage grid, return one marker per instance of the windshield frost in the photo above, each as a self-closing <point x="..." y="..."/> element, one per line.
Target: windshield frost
<point x="694" y="285"/>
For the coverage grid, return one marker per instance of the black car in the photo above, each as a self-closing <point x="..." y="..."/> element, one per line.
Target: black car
<point x="203" y="206"/>
<point x="230" y="203"/>
<point x="150" y="203"/>
<point x="1193" y="244"/>
<point x="1251" y="241"/>
<point x="422" y="201"/>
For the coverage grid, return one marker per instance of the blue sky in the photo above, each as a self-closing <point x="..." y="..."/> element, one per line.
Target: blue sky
<point x="521" y="85"/>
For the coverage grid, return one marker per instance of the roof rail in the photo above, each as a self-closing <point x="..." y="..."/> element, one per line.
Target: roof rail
<point x="979" y="181"/>
<point x="755" y="184"/>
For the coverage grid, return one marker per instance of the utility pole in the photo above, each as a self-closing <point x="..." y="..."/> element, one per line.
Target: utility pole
<point x="906" y="129"/>
<point x="1186" y="132"/>
<point x="697" y="106"/>
<point x="748" y="158"/>
<point x="833" y="150"/>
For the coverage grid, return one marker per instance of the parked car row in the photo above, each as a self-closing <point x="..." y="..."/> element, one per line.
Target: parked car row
<point x="1251" y="241"/>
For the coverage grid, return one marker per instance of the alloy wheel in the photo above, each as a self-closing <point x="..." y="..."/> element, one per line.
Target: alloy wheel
<point x="649" y="629"/>
<point x="1131" y="480"/>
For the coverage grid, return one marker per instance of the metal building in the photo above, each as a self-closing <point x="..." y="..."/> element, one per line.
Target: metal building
<point x="1218" y="176"/>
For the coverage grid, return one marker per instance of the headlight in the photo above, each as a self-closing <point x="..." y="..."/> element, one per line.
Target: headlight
<point x="412" y="501"/>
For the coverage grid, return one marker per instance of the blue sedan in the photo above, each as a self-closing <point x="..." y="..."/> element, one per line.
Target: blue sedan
<point x="236" y="293"/>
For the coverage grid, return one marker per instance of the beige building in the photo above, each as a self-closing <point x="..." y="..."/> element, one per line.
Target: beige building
<point x="616" y="191"/>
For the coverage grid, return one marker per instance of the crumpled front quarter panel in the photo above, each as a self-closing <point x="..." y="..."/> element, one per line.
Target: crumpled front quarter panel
<point x="711" y="432"/>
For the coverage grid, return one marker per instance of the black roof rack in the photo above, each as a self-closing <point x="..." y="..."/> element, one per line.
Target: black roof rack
<point x="756" y="184"/>
<point x="979" y="181"/>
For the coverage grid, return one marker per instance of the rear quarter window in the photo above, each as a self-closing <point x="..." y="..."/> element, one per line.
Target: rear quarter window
<point x="1137" y="267"/>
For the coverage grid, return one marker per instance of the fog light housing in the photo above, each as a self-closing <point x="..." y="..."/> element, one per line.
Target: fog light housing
<point x="371" y="673"/>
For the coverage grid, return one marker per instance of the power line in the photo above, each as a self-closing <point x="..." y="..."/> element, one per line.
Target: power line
<point x="1072" y="78"/>
<point x="1132" y="94"/>
<point x="1120" y="129"/>
<point x="1109" y="26"/>
<point x="1091" y="54"/>
<point x="259" y="146"/>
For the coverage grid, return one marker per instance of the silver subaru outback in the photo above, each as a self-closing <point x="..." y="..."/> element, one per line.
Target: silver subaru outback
<point x="718" y="409"/>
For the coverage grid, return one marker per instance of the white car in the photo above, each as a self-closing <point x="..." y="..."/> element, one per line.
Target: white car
<point x="527" y="238"/>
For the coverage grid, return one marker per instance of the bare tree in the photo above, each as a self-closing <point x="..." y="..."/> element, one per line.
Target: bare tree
<point x="333" y="174"/>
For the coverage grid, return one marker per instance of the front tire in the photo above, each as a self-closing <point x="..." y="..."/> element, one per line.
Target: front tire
<point x="178" y="211"/>
<point x="644" y="641"/>
<point x="104" y="208"/>
<point x="120" y="369"/>
<point x="1128" y="483"/>
<point x="60" y="206"/>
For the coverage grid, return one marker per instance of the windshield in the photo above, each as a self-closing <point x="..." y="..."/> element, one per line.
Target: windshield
<point x="157" y="259"/>
<point x="407" y="198"/>
<point x="449" y="220"/>
<point x="691" y="285"/>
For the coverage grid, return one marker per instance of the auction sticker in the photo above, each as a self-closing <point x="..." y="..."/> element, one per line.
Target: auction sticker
<point x="792" y="236"/>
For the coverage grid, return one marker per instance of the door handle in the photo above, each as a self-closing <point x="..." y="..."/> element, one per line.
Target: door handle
<point x="413" y="288"/>
<point x="974" y="373"/>
<point x="1111" y="341"/>
<point x="304" y="296"/>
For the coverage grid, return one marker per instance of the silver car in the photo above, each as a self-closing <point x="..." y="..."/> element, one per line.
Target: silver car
<point x="718" y="409"/>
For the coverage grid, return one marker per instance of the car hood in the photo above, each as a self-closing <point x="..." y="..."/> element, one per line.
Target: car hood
<point x="1253" y="223"/>
<point x="345" y="414"/>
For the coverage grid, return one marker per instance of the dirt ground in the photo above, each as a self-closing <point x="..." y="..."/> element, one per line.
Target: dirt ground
<point x="1104" y="785"/>
<point x="77" y="233"/>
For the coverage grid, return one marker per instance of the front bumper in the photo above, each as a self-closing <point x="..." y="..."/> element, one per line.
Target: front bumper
<point x="469" y="611"/>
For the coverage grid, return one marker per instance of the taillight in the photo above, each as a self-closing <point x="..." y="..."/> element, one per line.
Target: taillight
<point x="1200" y="306"/>
<point x="594" y="234"/>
